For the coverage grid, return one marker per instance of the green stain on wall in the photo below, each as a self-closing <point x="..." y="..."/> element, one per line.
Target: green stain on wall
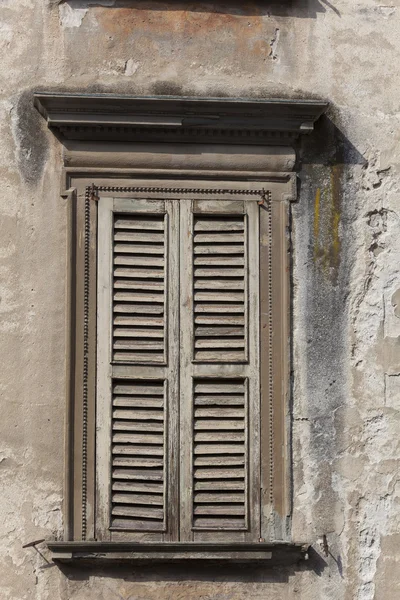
<point x="327" y="215"/>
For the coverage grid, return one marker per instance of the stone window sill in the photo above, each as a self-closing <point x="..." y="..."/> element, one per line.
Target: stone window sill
<point x="126" y="552"/>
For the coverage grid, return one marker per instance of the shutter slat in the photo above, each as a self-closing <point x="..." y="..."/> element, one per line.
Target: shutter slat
<point x="218" y="261"/>
<point x="219" y="510"/>
<point x="127" y="461"/>
<point x="220" y="524"/>
<point x="139" y="223"/>
<point x="204" y="356"/>
<point x="152" y="499"/>
<point x="137" y="486"/>
<point x="147" y="512"/>
<point x="223" y="272"/>
<point x="218" y="224"/>
<point x="142" y="475"/>
<point x="218" y="412"/>
<point x="143" y="357"/>
<point x="218" y="424"/>
<point x="221" y="436"/>
<point x="138" y="333"/>
<point x="138" y="390"/>
<point x="138" y="236"/>
<point x="138" y="261"/>
<point x="219" y="343"/>
<point x="219" y="308"/>
<point x="214" y="400"/>
<point x="219" y="498"/>
<point x="219" y="238"/>
<point x="139" y="415"/>
<point x="220" y="296"/>
<point x="205" y="386"/>
<point x="216" y="485"/>
<point x="217" y="449"/>
<point x="220" y="249"/>
<point x="138" y="402"/>
<point x="139" y="297"/>
<point x="140" y="309"/>
<point x="126" y="438"/>
<point x="138" y="249"/>
<point x="145" y="273"/>
<point x="138" y="344"/>
<point x="139" y="450"/>
<point x="219" y="461"/>
<point x="135" y="524"/>
<point x="218" y="284"/>
<point x="139" y="284"/>
<point x="218" y="331"/>
<point x="216" y="473"/>
<point x="139" y="321"/>
<point x="152" y="426"/>
<point x="219" y="320"/>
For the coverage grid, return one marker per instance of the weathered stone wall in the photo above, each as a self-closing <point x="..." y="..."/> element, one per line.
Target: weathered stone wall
<point x="346" y="296"/>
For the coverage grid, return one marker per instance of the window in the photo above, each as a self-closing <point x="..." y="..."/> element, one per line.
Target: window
<point x="191" y="375"/>
<point x="178" y="420"/>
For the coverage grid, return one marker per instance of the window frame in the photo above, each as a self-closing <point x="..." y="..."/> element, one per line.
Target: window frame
<point x="81" y="447"/>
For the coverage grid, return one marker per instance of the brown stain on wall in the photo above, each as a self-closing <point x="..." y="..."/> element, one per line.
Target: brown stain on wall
<point x="247" y="32"/>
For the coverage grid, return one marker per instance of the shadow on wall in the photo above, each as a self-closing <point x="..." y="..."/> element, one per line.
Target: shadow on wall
<point x="328" y="146"/>
<point x="305" y="9"/>
<point x="215" y="573"/>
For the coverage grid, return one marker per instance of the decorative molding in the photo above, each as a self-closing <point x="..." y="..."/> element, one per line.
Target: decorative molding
<point x="89" y="195"/>
<point x="271" y="436"/>
<point x="107" y="117"/>
<point x="262" y="193"/>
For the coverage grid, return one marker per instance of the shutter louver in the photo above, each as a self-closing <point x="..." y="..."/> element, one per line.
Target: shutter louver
<point x="138" y="455"/>
<point x="220" y="454"/>
<point x="220" y="288"/>
<point x="139" y="292"/>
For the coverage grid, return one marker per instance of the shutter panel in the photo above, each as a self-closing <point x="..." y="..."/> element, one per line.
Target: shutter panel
<point x="220" y="454"/>
<point x="219" y="371"/>
<point x="137" y="369"/>
<point x="220" y="290"/>
<point x="138" y="455"/>
<point x="139" y="289"/>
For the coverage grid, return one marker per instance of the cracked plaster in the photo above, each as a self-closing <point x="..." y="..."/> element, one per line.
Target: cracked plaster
<point x="346" y="275"/>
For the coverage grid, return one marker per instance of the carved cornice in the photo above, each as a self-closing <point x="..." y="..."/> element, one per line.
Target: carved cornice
<point x="170" y="119"/>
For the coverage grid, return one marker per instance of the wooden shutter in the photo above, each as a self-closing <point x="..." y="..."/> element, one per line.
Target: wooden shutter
<point x="137" y="369"/>
<point x="219" y="371"/>
<point x="191" y="370"/>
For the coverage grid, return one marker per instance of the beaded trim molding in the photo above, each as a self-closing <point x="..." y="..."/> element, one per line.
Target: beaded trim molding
<point x="91" y="193"/>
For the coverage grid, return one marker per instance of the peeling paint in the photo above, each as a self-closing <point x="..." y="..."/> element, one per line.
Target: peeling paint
<point x="346" y="276"/>
<point x="70" y="16"/>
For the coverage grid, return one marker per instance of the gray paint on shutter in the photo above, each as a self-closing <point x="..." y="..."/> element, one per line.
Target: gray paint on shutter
<point x="220" y="288"/>
<point x="211" y="441"/>
<point x="219" y="373"/>
<point x="137" y="390"/>
<point x="220" y="461"/>
<point x="139" y="257"/>
<point x="138" y="455"/>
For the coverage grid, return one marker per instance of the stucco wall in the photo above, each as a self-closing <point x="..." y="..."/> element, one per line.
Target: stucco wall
<point x="346" y="297"/>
